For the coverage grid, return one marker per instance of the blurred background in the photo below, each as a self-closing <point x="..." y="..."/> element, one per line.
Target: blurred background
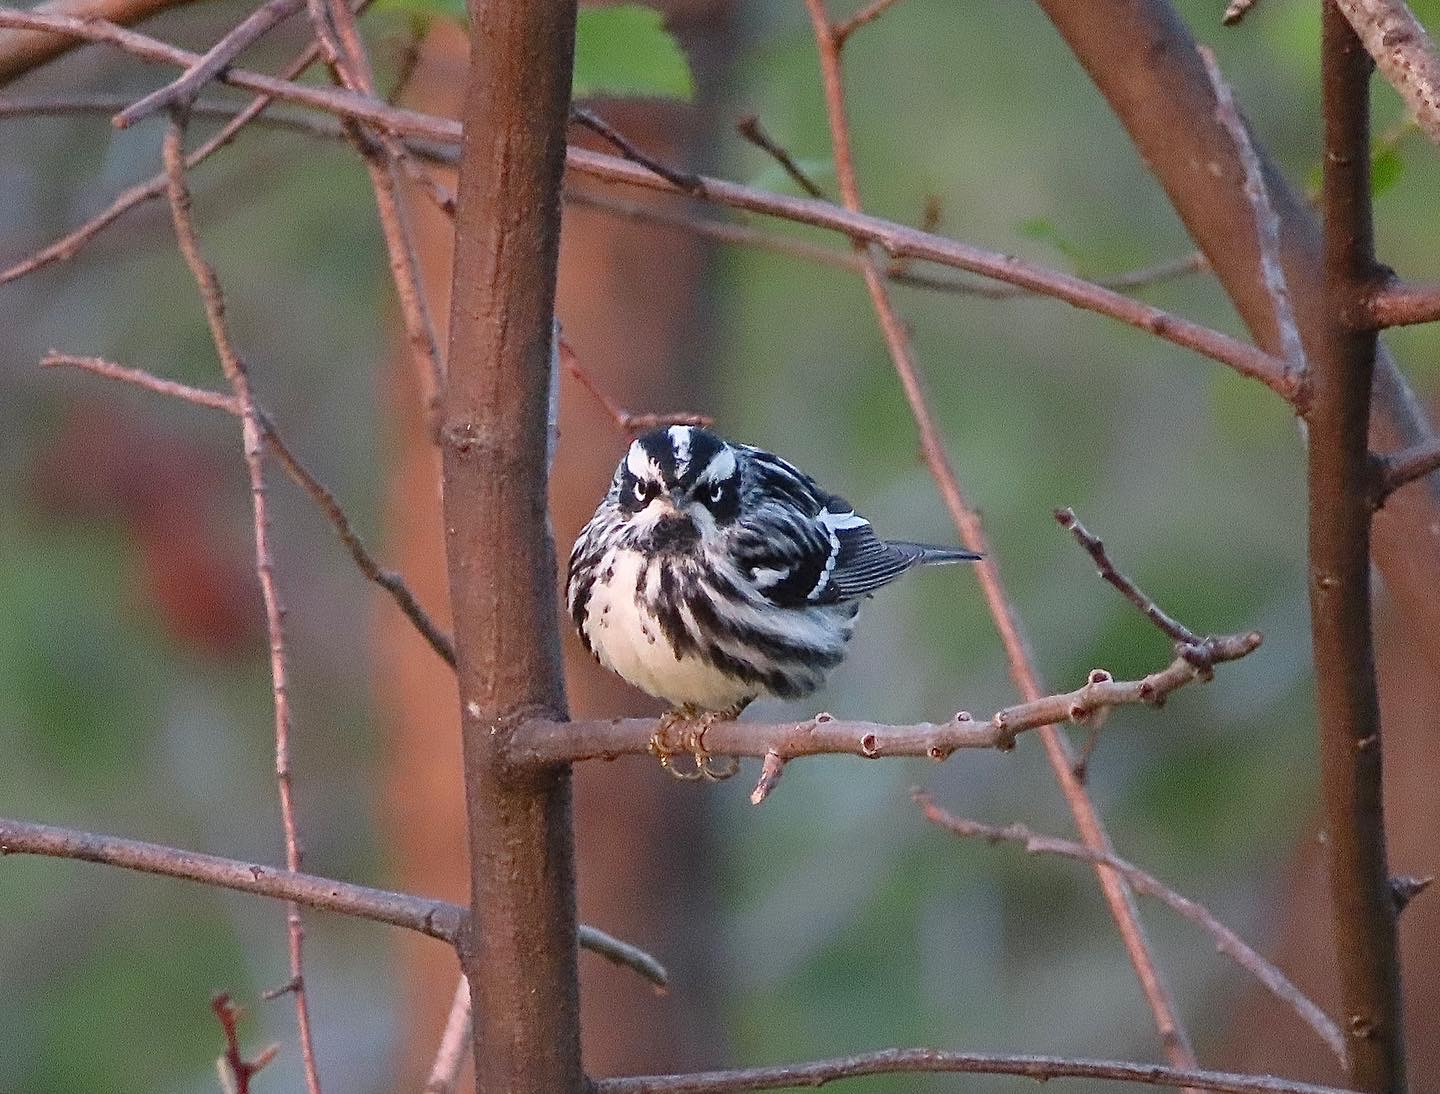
<point x="134" y="694"/>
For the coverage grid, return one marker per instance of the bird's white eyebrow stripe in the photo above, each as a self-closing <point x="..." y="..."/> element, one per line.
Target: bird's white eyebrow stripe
<point x="640" y="463"/>
<point x="720" y="467"/>
<point x="680" y="436"/>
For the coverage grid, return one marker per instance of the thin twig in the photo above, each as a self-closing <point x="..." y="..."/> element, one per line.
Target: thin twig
<point x="898" y="240"/>
<point x="384" y="155"/>
<point x="868" y="14"/>
<point x="967" y="522"/>
<point x="749" y="127"/>
<point x="1401" y="468"/>
<point x="436" y="918"/>
<point x="235" y="372"/>
<point x="388" y="580"/>
<point x="1267" y="221"/>
<point x="454" y="1047"/>
<point x="1403" y="304"/>
<point x="241" y="1070"/>
<point x="542" y="743"/>
<point x="1095" y="548"/>
<point x="183" y="89"/>
<point x="687" y="181"/>
<point x="911" y="1061"/>
<point x="1226" y="940"/>
<point x="627" y="422"/>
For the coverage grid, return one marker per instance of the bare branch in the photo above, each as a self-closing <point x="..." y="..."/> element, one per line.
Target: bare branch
<point x="1267" y="222"/>
<point x="898" y="240"/>
<point x="1404" y="54"/>
<point x="1401" y="304"/>
<point x="541" y="743"/>
<point x="627" y="422"/>
<point x="1340" y="479"/>
<point x="1226" y="940"/>
<point x="233" y="365"/>
<point x="23" y="50"/>
<point x="1401" y="468"/>
<point x="183" y="90"/>
<point x="1095" y="547"/>
<point x="749" y="127"/>
<point x="744" y="235"/>
<point x="682" y="180"/>
<point x="241" y="1069"/>
<point x="436" y="918"/>
<point x="967" y="522"/>
<point x="936" y="1061"/>
<point x="868" y="14"/>
<point x="388" y="580"/>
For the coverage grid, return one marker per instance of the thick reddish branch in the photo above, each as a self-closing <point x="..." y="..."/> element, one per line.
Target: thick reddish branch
<point x="520" y="960"/>
<point x="1340" y="475"/>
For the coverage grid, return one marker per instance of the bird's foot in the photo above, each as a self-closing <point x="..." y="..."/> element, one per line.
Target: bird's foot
<point x="695" y="723"/>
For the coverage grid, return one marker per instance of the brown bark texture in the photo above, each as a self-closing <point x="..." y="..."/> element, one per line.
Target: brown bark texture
<point x="520" y="955"/>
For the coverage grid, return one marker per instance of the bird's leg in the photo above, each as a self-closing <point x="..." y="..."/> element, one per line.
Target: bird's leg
<point x="665" y="748"/>
<point x="694" y="739"/>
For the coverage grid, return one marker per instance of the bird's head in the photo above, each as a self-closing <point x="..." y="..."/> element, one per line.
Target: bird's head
<point x="677" y="485"/>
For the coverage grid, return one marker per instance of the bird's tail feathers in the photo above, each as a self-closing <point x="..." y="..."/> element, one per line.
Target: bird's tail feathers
<point x="925" y="555"/>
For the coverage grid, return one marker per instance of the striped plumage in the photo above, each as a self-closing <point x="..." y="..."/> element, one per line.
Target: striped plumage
<point x="713" y="573"/>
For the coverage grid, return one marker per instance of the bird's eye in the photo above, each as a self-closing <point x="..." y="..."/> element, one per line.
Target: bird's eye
<point x="717" y="492"/>
<point x="642" y="491"/>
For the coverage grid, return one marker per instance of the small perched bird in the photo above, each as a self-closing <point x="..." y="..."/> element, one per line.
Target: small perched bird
<point x="713" y="573"/>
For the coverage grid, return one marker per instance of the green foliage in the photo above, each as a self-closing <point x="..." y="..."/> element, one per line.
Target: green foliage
<point x="622" y="51"/>
<point x="626" y="50"/>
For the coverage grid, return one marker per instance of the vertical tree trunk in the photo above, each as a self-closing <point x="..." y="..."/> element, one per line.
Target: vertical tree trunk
<point x="1340" y="478"/>
<point x="643" y="348"/>
<point x="520" y="954"/>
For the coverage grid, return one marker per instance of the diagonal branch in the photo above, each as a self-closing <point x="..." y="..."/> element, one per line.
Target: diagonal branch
<point x="972" y="533"/>
<point x="183" y="90"/>
<point x="436" y="918"/>
<point x="235" y="371"/>
<point x="1226" y="940"/>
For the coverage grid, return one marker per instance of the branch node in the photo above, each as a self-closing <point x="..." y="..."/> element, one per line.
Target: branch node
<point x="1406" y="887"/>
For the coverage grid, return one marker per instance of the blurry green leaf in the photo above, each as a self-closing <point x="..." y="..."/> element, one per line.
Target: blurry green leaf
<point x="623" y="50"/>
<point x="1043" y="230"/>
<point x="626" y="50"/>
<point x="1386" y="166"/>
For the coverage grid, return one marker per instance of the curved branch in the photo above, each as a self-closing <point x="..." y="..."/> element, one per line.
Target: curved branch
<point x="936" y="1061"/>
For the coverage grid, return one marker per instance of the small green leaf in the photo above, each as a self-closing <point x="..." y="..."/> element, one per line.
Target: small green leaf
<point x="1386" y="166"/>
<point x="626" y="50"/>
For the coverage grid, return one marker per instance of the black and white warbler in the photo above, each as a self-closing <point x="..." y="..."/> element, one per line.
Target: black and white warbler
<point x="713" y="573"/>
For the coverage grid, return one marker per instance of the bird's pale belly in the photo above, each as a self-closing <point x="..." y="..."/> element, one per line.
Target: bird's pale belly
<point x="629" y="641"/>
